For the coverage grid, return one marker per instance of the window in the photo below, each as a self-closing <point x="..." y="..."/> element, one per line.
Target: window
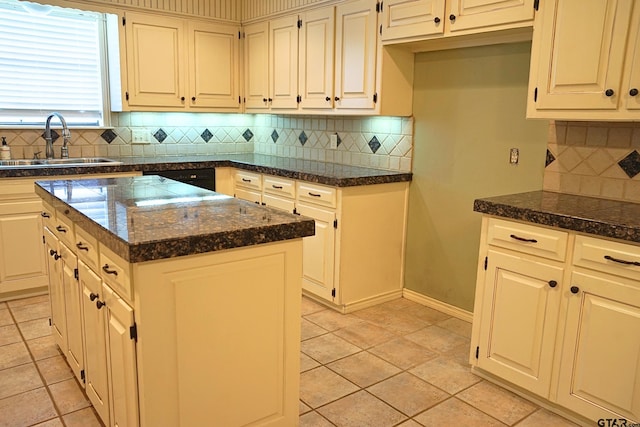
<point x="51" y="60"/>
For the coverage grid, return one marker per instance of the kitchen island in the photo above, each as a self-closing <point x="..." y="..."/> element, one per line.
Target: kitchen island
<point x="188" y="301"/>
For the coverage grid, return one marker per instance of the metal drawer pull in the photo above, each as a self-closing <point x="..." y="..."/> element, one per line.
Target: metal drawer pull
<point x="277" y="187"/>
<point x="246" y="180"/>
<point x="621" y="261"/>
<point x="45" y="215"/>
<point x="54" y="254"/>
<point x="522" y="239"/>
<point x="80" y="246"/>
<point x="61" y="229"/>
<point x="315" y="194"/>
<point x="105" y="268"/>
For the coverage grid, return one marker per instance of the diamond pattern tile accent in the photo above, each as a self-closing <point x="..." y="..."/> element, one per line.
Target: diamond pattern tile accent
<point x="339" y="139"/>
<point x="302" y="138"/>
<point x="550" y="158"/>
<point x="274" y="136"/>
<point x="247" y="135"/>
<point x="160" y="135"/>
<point x="206" y="135"/>
<point x="54" y="135"/>
<point x="374" y="144"/>
<point x="108" y="135"/>
<point x="631" y="164"/>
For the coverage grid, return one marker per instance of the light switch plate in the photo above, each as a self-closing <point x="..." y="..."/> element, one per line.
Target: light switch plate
<point x="514" y="156"/>
<point x="140" y="136"/>
<point x="333" y="141"/>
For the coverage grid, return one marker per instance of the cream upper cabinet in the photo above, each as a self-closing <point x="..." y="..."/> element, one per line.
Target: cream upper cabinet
<point x="584" y="63"/>
<point x="316" y="58"/>
<point x="175" y="64"/>
<point x="414" y="20"/>
<point x="283" y="63"/>
<point x="356" y="49"/>
<point x="256" y="66"/>
<point x="214" y="79"/>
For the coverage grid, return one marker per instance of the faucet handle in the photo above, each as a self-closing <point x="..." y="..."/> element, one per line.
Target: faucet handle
<point x="36" y="154"/>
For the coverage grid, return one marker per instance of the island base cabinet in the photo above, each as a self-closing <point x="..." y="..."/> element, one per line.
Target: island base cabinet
<point x="219" y="337"/>
<point x="600" y="365"/>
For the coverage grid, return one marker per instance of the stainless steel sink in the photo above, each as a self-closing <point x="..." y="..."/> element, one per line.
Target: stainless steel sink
<point x="72" y="161"/>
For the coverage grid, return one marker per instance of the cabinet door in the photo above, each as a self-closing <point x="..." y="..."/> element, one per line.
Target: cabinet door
<point x="519" y="320"/>
<point x="600" y="365"/>
<point x="122" y="358"/>
<point x="95" y="344"/>
<point x="318" y="255"/>
<point x="256" y="66"/>
<point x="316" y="58"/>
<point x="581" y="48"/>
<point x="155" y="60"/>
<point x="283" y="62"/>
<point x="73" y="312"/>
<point x="412" y="18"/>
<point x="56" y="291"/>
<point x="631" y="86"/>
<point x="356" y="38"/>
<point x="214" y="66"/>
<point x="22" y="261"/>
<point x="478" y="14"/>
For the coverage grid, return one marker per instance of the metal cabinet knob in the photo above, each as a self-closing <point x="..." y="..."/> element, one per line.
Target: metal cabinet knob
<point x="436" y="20"/>
<point x="452" y="17"/>
<point x="609" y="92"/>
<point x="553" y="283"/>
<point x="575" y="289"/>
<point x="93" y="296"/>
<point x="633" y="92"/>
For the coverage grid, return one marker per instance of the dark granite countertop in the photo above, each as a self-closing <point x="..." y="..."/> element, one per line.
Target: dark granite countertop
<point x="333" y="174"/>
<point x="150" y="217"/>
<point x="601" y="217"/>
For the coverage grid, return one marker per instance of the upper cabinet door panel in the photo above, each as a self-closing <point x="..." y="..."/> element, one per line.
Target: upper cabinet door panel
<point x="283" y="65"/>
<point x="316" y="58"/>
<point x="256" y="63"/>
<point x="410" y="18"/>
<point x="582" y="48"/>
<point x="356" y="32"/>
<point x="476" y="14"/>
<point x="213" y="59"/>
<point x="154" y="60"/>
<point x="631" y="88"/>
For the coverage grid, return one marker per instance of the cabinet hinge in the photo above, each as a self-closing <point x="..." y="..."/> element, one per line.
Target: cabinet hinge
<point x="299" y="23"/>
<point x="126" y="96"/>
<point x="380" y="29"/>
<point x="333" y="292"/>
<point x="124" y="21"/>
<point x="298" y="99"/>
<point x="486" y="261"/>
<point x="378" y="7"/>
<point x="50" y="324"/>
<point x="43" y="242"/>
<point x="239" y="35"/>
<point x="239" y="100"/>
<point x="335" y="223"/>
<point x="133" y="332"/>
<point x="75" y="273"/>
<point x="82" y="376"/>
<point x="536" y="4"/>
<point x="535" y="95"/>
<point x="375" y="97"/>
<point x="477" y="352"/>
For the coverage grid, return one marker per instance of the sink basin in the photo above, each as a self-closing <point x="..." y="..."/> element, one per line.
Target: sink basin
<point x="72" y="161"/>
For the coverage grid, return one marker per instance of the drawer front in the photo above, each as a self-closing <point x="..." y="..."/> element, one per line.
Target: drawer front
<point x="87" y="248"/>
<point x="610" y="257"/>
<point x="63" y="229"/>
<point x="529" y="239"/>
<point x="318" y="194"/>
<point x="115" y="272"/>
<point x="248" y="180"/>
<point x="278" y="202"/>
<point x="279" y="186"/>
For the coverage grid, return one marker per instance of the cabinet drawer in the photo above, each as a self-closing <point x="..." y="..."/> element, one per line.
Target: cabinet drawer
<point x="115" y="272"/>
<point x="318" y="194"/>
<point x="63" y="229"/>
<point x="279" y="186"/>
<point x="87" y="248"/>
<point x="529" y="239"/>
<point x="610" y="257"/>
<point x="248" y="180"/>
<point x="278" y="202"/>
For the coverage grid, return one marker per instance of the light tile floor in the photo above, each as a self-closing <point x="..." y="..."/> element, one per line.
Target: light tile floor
<point x="395" y="364"/>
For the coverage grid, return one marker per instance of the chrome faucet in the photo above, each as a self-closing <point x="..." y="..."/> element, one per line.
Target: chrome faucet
<point x="66" y="136"/>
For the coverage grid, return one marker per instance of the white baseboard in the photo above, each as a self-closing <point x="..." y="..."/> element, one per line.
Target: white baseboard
<point x="449" y="309"/>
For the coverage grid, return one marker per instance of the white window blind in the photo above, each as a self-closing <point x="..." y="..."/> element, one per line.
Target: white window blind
<point x="50" y="60"/>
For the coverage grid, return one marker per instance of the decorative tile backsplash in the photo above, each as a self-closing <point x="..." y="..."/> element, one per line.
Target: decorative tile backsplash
<point x="380" y="142"/>
<point x="594" y="159"/>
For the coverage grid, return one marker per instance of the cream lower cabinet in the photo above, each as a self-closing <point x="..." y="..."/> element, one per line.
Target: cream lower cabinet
<point x="23" y="266"/>
<point x="346" y="265"/>
<point x="558" y="316"/>
<point x="585" y="61"/>
<point x="56" y="290"/>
